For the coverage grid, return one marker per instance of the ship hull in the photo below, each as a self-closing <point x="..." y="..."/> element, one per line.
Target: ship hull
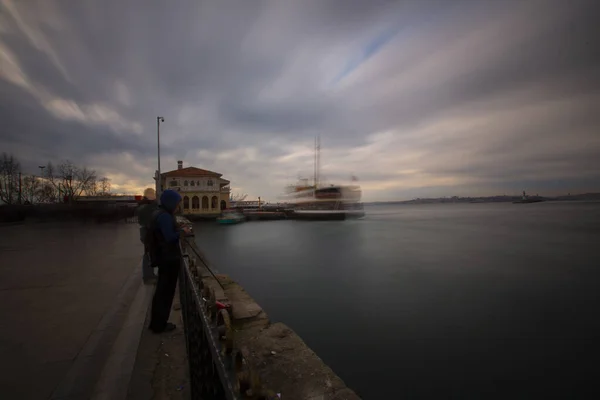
<point x="326" y="215"/>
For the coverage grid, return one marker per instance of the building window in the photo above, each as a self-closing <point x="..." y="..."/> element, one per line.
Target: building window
<point x="195" y="203"/>
<point x="173" y="183"/>
<point x="186" y="203"/>
<point x="192" y="183"/>
<point x="204" y="203"/>
<point x="214" y="202"/>
<point x="223" y="204"/>
<point x="210" y="182"/>
<point x="185" y="183"/>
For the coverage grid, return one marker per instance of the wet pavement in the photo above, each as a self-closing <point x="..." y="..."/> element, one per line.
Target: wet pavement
<point x="65" y="291"/>
<point x="161" y="366"/>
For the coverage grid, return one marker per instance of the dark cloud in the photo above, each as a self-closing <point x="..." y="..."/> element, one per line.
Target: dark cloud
<point x="411" y="96"/>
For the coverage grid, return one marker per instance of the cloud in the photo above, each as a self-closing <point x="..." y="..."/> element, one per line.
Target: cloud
<point x="29" y="23"/>
<point x="414" y="97"/>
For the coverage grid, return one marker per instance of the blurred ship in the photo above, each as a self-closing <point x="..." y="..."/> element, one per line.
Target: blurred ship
<point x="527" y="199"/>
<point x="320" y="202"/>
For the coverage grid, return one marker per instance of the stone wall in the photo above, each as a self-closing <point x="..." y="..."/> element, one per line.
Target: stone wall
<point x="274" y="362"/>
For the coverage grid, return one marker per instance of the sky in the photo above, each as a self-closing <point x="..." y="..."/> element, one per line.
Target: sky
<point x="414" y="98"/>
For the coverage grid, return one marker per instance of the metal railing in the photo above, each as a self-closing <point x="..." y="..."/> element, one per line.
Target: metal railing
<point x="217" y="369"/>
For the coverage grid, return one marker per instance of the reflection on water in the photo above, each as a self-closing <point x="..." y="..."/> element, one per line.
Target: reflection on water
<point x="459" y="300"/>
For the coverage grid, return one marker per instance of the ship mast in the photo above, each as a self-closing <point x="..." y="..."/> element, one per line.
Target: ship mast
<point x="315" y="165"/>
<point x="317" y="160"/>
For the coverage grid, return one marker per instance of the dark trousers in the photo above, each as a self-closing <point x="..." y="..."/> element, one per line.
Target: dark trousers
<point x="163" y="295"/>
<point x="147" y="270"/>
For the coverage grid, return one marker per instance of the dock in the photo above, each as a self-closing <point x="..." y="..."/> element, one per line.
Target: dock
<point x="264" y="215"/>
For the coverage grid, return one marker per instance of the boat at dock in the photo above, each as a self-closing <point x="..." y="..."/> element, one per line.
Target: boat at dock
<point x="230" y="217"/>
<point x="262" y="215"/>
<point x="324" y="202"/>
<point x="336" y="202"/>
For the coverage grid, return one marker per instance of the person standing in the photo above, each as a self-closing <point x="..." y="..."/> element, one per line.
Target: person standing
<point x="144" y="213"/>
<point x="165" y="253"/>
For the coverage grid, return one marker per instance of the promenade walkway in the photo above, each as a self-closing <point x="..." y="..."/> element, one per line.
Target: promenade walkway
<point x="72" y="308"/>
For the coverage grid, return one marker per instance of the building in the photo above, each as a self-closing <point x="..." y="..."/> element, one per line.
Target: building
<point x="204" y="193"/>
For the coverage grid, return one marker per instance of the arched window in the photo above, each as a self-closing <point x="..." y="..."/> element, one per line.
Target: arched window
<point x="186" y="203"/>
<point x="214" y="202"/>
<point x="204" y="203"/>
<point x="210" y="182"/>
<point x="192" y="183"/>
<point x="185" y="183"/>
<point x="223" y="204"/>
<point x="195" y="203"/>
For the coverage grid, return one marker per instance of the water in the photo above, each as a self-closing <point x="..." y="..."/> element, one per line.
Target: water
<point x="432" y="301"/>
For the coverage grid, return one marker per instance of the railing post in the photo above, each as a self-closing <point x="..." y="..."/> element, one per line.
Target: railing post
<point x="210" y="368"/>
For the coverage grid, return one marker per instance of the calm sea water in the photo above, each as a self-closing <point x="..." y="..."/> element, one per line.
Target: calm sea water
<point x="432" y="301"/>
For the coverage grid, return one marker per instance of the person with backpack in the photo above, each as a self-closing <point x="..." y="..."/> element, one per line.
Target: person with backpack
<point x="144" y="214"/>
<point x="162" y="244"/>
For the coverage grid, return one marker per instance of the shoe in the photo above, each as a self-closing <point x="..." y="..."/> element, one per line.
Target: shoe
<point x="168" y="328"/>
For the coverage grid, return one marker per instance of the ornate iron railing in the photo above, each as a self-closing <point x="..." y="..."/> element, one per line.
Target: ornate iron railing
<point x="217" y="369"/>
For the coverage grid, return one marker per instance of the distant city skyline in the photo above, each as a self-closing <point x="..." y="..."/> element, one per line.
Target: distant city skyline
<point x="450" y="199"/>
<point x="414" y="98"/>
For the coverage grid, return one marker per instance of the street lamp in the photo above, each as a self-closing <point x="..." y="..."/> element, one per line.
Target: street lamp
<point x="41" y="167"/>
<point x="158" y="121"/>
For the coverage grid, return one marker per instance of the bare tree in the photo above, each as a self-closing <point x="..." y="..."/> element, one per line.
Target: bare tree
<point x="238" y="197"/>
<point x="9" y="179"/>
<point x="85" y="178"/>
<point x="67" y="172"/>
<point x="53" y="181"/>
<point x="104" y="186"/>
<point x="92" y="188"/>
<point x="69" y="179"/>
<point x="31" y="189"/>
<point x="95" y="187"/>
<point x="47" y="193"/>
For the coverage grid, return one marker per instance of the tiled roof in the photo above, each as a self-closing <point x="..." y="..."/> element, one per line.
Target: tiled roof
<point x="191" y="172"/>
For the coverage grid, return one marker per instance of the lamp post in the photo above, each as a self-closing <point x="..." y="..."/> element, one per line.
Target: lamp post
<point x="158" y="177"/>
<point x="41" y="167"/>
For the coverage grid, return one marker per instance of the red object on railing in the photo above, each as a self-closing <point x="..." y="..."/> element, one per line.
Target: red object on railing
<point x="138" y="197"/>
<point x="221" y="306"/>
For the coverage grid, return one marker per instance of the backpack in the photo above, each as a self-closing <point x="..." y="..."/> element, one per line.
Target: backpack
<point x="151" y="239"/>
<point x="145" y="212"/>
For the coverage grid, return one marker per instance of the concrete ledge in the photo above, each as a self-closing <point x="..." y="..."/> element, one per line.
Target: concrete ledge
<point x="283" y="362"/>
<point x="287" y="365"/>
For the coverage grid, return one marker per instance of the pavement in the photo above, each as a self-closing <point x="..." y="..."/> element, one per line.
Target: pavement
<point x="161" y="366"/>
<point x="72" y="308"/>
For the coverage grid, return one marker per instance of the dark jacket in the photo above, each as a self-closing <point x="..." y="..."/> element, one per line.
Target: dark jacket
<point x="144" y="212"/>
<point x="165" y="229"/>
